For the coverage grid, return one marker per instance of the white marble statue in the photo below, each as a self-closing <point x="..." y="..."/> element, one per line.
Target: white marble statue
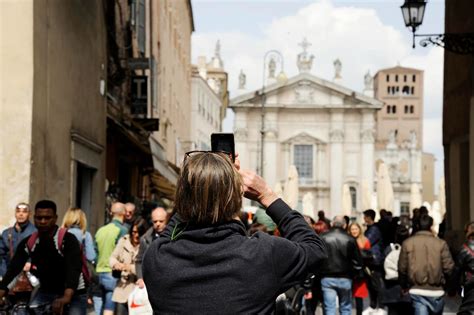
<point x="271" y="68"/>
<point x="368" y="81"/>
<point x="217" y="51"/>
<point x="337" y="69"/>
<point x="413" y="139"/>
<point x="304" y="62"/>
<point x="242" y="80"/>
<point x="392" y="137"/>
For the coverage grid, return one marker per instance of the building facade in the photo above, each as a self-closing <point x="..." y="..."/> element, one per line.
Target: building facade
<point x="53" y="106"/>
<point x="324" y="129"/>
<point x="401" y="90"/>
<point x="149" y="97"/>
<point x="458" y="120"/>
<point x="399" y="134"/>
<point x="209" y="100"/>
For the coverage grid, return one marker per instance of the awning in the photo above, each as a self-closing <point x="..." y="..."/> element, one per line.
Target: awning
<point x="160" y="163"/>
<point x="162" y="186"/>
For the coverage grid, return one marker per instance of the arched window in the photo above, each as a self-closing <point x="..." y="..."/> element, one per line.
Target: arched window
<point x="389" y="109"/>
<point x="412" y="90"/>
<point x="412" y="109"/>
<point x="393" y="90"/>
<point x="394" y="109"/>
<point x="353" y="192"/>
<point x="406" y="109"/>
<point x="388" y="90"/>
<point x="396" y="78"/>
<point x="388" y="78"/>
<point x="406" y="90"/>
<point x="405" y="78"/>
<point x="414" y="78"/>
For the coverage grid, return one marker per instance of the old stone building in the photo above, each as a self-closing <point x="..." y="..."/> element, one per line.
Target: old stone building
<point x="323" y="128"/>
<point x="209" y="100"/>
<point x="52" y="105"/>
<point x="149" y="97"/>
<point x="399" y="134"/>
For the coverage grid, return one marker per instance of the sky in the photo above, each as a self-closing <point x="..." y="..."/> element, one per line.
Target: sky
<point x="364" y="35"/>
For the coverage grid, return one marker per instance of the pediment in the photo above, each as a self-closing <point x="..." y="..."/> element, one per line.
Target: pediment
<point x="303" y="137"/>
<point x="306" y="90"/>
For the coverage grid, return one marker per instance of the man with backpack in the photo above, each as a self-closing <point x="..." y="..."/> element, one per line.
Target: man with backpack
<point x="55" y="260"/>
<point x="12" y="236"/>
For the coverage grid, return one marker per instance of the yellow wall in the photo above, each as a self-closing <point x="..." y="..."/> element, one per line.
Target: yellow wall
<point x="16" y="96"/>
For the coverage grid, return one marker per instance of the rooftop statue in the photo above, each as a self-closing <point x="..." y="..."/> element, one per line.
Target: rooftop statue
<point x="304" y="61"/>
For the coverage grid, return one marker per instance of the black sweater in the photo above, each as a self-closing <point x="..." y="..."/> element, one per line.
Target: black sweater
<point x="220" y="270"/>
<point x="55" y="272"/>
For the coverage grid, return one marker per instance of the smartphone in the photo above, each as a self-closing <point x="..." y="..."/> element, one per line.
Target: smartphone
<point x="223" y="142"/>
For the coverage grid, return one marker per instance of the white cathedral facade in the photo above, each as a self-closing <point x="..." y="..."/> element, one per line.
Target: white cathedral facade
<point x="323" y="128"/>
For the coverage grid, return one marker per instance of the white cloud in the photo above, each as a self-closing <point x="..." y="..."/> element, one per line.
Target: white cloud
<point x="357" y="36"/>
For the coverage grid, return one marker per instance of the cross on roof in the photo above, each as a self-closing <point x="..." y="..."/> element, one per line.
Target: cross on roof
<point x="304" y="44"/>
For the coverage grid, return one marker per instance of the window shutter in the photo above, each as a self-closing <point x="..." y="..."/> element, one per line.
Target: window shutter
<point x="141" y="19"/>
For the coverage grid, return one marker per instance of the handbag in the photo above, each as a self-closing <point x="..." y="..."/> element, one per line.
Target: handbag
<point x="22" y="284"/>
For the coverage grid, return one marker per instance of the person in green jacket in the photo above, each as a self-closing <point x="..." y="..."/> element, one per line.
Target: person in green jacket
<point x="106" y="238"/>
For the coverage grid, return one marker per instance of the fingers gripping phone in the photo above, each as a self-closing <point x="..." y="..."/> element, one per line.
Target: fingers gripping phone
<point x="223" y="142"/>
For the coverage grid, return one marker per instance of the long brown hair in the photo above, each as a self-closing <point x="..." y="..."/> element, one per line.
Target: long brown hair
<point x="209" y="189"/>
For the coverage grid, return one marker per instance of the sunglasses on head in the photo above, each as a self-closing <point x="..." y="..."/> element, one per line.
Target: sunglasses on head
<point x="22" y="206"/>
<point x="198" y="152"/>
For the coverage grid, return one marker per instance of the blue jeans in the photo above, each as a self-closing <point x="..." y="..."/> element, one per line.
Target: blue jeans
<point x="425" y="305"/>
<point x="108" y="283"/>
<point x="78" y="305"/>
<point x="337" y="287"/>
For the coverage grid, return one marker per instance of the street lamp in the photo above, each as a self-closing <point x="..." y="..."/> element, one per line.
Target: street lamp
<point x="270" y="58"/>
<point x="413" y="12"/>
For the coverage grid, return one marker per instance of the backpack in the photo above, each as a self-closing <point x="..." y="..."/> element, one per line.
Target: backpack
<point x="390" y="264"/>
<point x="58" y="241"/>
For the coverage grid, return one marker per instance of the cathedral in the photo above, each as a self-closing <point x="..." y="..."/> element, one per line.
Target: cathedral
<point x="328" y="131"/>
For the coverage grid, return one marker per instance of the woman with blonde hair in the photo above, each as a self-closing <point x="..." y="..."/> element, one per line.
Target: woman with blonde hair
<point x="75" y="222"/>
<point x="360" y="290"/>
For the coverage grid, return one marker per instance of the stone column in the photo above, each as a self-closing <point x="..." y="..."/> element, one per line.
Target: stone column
<point x="336" y="138"/>
<point x="283" y="171"/>
<point x="271" y="145"/>
<point x="367" y="148"/>
<point x="241" y="137"/>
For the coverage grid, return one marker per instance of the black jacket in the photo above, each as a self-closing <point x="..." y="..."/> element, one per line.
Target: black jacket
<point x="465" y="261"/>
<point x="220" y="270"/>
<point x="145" y="241"/>
<point x="344" y="259"/>
<point x="56" y="271"/>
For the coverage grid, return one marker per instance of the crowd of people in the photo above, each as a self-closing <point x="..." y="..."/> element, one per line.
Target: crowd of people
<point x="208" y="257"/>
<point x="76" y="270"/>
